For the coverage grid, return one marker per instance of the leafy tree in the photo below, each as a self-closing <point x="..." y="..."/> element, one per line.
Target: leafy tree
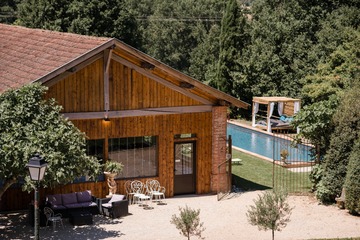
<point x="278" y="57"/>
<point x="28" y="125"/>
<point x="104" y="18"/>
<point x="90" y="17"/>
<point x="204" y="57"/>
<point x="8" y="11"/>
<point x="352" y="181"/>
<point x="271" y="211"/>
<point x="45" y="14"/>
<point x="338" y="53"/>
<point x="233" y="38"/>
<point x="188" y="222"/>
<point x="177" y="27"/>
<point x="335" y="75"/>
<point x="315" y="123"/>
<point x="347" y="125"/>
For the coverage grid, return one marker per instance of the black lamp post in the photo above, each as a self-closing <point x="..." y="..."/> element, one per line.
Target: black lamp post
<point x="37" y="167"/>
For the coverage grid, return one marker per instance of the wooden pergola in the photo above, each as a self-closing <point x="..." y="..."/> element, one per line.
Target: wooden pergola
<point x="286" y="106"/>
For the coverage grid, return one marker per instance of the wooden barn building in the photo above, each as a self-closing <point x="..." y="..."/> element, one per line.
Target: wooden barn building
<point x="157" y="121"/>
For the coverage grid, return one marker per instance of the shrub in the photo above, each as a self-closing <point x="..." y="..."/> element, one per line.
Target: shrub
<point x="315" y="176"/>
<point x="347" y="123"/>
<point x="271" y="211"/>
<point x="188" y="222"/>
<point x="352" y="182"/>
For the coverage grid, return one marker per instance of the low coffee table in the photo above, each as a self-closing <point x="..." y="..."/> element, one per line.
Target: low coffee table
<point x="81" y="218"/>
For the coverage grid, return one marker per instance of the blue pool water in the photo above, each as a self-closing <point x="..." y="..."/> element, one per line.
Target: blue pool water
<point x="266" y="145"/>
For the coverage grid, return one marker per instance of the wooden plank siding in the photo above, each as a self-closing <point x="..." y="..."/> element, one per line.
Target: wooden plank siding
<point x="164" y="127"/>
<point x="83" y="91"/>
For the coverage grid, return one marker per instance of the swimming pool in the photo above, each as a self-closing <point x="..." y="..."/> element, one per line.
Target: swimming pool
<point x="267" y="145"/>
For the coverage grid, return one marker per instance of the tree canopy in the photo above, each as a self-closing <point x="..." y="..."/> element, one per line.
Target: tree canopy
<point x="29" y="125"/>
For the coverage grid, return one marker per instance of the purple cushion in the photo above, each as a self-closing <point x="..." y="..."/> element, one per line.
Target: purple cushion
<point x="73" y="205"/>
<point x="83" y="196"/>
<point x="57" y="207"/>
<point x="116" y="197"/>
<point x="69" y="198"/>
<point x="54" y="199"/>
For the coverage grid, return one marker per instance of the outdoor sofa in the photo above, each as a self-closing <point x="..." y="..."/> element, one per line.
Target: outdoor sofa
<point x="115" y="206"/>
<point x="72" y="202"/>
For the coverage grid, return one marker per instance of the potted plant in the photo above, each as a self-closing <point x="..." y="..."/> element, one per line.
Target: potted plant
<point x="111" y="169"/>
<point x="284" y="154"/>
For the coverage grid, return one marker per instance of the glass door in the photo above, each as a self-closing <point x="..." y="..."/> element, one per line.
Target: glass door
<point x="184" y="168"/>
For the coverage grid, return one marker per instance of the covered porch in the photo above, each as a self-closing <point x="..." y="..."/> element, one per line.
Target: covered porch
<point x="269" y="120"/>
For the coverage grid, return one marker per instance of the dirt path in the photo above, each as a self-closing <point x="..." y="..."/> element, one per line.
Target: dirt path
<point x="224" y="219"/>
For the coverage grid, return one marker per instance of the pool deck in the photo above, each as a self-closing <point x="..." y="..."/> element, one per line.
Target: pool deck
<point x="292" y="164"/>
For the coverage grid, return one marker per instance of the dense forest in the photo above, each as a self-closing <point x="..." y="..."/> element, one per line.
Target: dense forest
<point x="295" y="48"/>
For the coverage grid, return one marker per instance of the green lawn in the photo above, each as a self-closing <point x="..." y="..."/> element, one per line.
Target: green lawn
<point x="257" y="174"/>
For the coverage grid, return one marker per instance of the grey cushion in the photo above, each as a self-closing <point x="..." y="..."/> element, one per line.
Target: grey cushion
<point x="107" y="205"/>
<point x="116" y="197"/>
<point x="88" y="204"/>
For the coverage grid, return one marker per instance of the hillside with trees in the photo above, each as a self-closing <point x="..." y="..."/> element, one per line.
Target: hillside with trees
<point x="296" y="48"/>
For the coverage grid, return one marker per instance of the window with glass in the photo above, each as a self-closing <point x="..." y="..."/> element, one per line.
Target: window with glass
<point x="139" y="155"/>
<point x="95" y="148"/>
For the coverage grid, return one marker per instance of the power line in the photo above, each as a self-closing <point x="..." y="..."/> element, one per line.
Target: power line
<point x="186" y="19"/>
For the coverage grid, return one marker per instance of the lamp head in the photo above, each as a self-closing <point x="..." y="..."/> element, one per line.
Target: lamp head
<point x="37" y="166"/>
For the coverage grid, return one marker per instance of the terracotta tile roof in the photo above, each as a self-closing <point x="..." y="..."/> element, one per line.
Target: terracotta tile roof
<point x="28" y="54"/>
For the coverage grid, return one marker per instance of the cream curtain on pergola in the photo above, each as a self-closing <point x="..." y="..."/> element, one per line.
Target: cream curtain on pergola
<point x="270" y="102"/>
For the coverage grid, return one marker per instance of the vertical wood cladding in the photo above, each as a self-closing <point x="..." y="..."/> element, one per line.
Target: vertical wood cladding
<point x="132" y="90"/>
<point x="83" y="91"/>
<point x="164" y="127"/>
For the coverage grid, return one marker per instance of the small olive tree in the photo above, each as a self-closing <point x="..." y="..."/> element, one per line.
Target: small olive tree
<point x="188" y="222"/>
<point x="271" y="211"/>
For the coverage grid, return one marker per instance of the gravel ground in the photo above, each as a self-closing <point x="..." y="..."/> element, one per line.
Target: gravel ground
<point x="225" y="219"/>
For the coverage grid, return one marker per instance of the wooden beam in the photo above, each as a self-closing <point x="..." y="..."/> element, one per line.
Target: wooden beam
<point x="107" y="59"/>
<point x="164" y="82"/>
<point x="182" y="77"/>
<point x="78" y="67"/>
<point x="138" y="112"/>
<point x="76" y="62"/>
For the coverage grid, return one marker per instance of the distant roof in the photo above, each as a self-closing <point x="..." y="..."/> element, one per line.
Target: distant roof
<point x="28" y="54"/>
<point x="267" y="100"/>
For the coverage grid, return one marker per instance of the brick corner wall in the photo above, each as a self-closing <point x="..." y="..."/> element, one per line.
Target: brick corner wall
<point x="219" y="177"/>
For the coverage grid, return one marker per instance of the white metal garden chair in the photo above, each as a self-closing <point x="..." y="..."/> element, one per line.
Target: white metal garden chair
<point x="53" y="218"/>
<point x="156" y="191"/>
<point x="129" y="192"/>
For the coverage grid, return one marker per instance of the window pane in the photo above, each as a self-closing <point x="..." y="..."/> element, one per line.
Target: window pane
<point x="184" y="158"/>
<point x="138" y="154"/>
<point x="95" y="148"/>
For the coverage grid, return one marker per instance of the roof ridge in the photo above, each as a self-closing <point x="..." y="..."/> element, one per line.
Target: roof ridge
<point x="23" y="28"/>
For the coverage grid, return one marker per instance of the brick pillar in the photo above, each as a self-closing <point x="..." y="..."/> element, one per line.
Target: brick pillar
<point x="219" y="124"/>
